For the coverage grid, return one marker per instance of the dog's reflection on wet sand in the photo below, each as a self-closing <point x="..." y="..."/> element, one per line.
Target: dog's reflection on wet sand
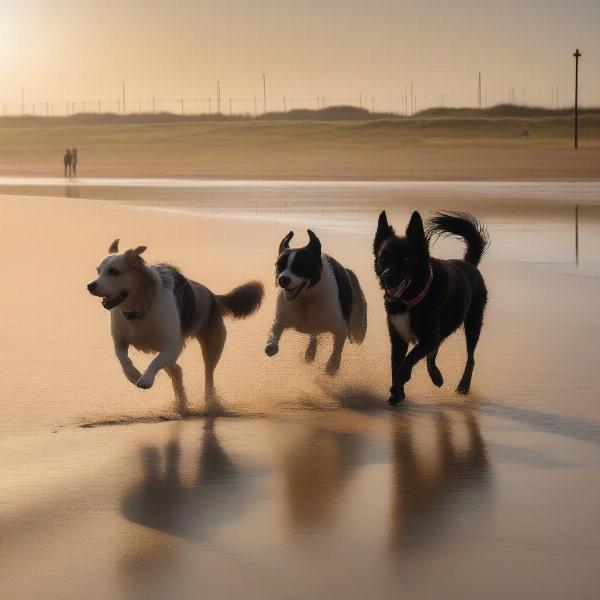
<point x="428" y="487"/>
<point x="438" y="463"/>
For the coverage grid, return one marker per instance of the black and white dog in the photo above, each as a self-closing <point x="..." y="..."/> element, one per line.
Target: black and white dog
<point x="318" y="295"/>
<point x="427" y="299"/>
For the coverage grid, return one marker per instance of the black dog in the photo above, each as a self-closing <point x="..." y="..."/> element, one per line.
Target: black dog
<point x="426" y="298"/>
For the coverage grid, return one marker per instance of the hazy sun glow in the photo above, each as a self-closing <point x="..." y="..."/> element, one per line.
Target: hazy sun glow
<point x="366" y="51"/>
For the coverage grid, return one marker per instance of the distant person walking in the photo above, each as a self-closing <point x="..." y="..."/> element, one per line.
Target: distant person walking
<point x="74" y="161"/>
<point x="68" y="159"/>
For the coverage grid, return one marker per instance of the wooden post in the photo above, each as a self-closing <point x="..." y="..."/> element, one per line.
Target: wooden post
<point x="264" y="94"/>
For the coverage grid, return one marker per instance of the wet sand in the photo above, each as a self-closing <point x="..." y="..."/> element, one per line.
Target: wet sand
<point x="301" y="485"/>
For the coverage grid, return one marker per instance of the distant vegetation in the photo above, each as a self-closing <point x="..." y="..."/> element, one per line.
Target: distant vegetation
<point x="332" y="113"/>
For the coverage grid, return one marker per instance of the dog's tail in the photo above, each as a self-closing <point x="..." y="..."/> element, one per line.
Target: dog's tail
<point x="463" y="225"/>
<point x="242" y="301"/>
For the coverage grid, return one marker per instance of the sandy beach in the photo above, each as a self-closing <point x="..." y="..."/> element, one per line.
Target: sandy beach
<point x="418" y="149"/>
<point x="300" y="486"/>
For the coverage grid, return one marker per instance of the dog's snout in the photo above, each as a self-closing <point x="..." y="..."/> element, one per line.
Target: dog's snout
<point x="92" y="286"/>
<point x="284" y="280"/>
<point x="388" y="277"/>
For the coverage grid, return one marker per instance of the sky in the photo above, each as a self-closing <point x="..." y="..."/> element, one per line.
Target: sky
<point x="347" y="51"/>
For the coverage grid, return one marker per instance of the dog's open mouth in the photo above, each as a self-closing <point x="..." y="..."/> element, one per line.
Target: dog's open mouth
<point x="291" y="293"/>
<point x="110" y="303"/>
<point x="397" y="291"/>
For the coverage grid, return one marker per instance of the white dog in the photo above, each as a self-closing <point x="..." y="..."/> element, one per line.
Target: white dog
<point x="154" y="308"/>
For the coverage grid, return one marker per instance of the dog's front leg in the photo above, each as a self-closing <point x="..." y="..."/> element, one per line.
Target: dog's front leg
<point x="420" y="351"/>
<point x="122" y="352"/>
<point x="284" y="318"/>
<point x="399" y="348"/>
<point x="165" y="357"/>
<point x="272" y="347"/>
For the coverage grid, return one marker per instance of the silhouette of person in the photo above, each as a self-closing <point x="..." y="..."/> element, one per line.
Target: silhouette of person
<point x="67" y="159"/>
<point x="74" y="162"/>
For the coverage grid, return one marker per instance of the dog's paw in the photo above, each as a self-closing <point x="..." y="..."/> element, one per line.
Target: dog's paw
<point x="311" y="353"/>
<point x="133" y="376"/>
<point x="436" y="377"/>
<point x="396" y="394"/>
<point x="463" y="388"/>
<point x="271" y="349"/>
<point x="396" y="397"/>
<point x="332" y="366"/>
<point x="145" y="382"/>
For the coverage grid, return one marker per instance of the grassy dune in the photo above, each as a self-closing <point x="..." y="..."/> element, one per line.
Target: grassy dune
<point x="440" y="143"/>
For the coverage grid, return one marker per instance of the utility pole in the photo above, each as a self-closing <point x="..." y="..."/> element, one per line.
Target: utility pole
<point x="140" y="105"/>
<point x="210" y="106"/>
<point x="47" y="109"/>
<point x="264" y="94"/>
<point x="255" y="107"/>
<point x="577" y="54"/>
<point x="479" y="90"/>
<point x="99" y="106"/>
<point x="218" y="97"/>
<point x="118" y="106"/>
<point x="181" y="100"/>
<point x="412" y="99"/>
<point x="360" y="100"/>
<point x="284" y="105"/>
<point x="153" y="105"/>
<point x="124" y="110"/>
<point x="230" y="107"/>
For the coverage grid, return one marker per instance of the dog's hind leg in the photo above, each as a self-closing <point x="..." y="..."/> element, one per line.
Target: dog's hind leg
<point x="175" y="373"/>
<point x="433" y="370"/>
<point x="333" y="364"/>
<point x="212" y="341"/>
<point x="473" y="323"/>
<point x="311" y="349"/>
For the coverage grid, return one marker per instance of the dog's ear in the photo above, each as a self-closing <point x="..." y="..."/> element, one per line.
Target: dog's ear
<point x="314" y="243"/>
<point x="114" y="247"/>
<point x="285" y="242"/>
<point x="133" y="255"/>
<point x="384" y="231"/>
<point x="414" y="230"/>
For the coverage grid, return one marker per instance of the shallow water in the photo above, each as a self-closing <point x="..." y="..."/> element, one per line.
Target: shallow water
<point x="297" y="485"/>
